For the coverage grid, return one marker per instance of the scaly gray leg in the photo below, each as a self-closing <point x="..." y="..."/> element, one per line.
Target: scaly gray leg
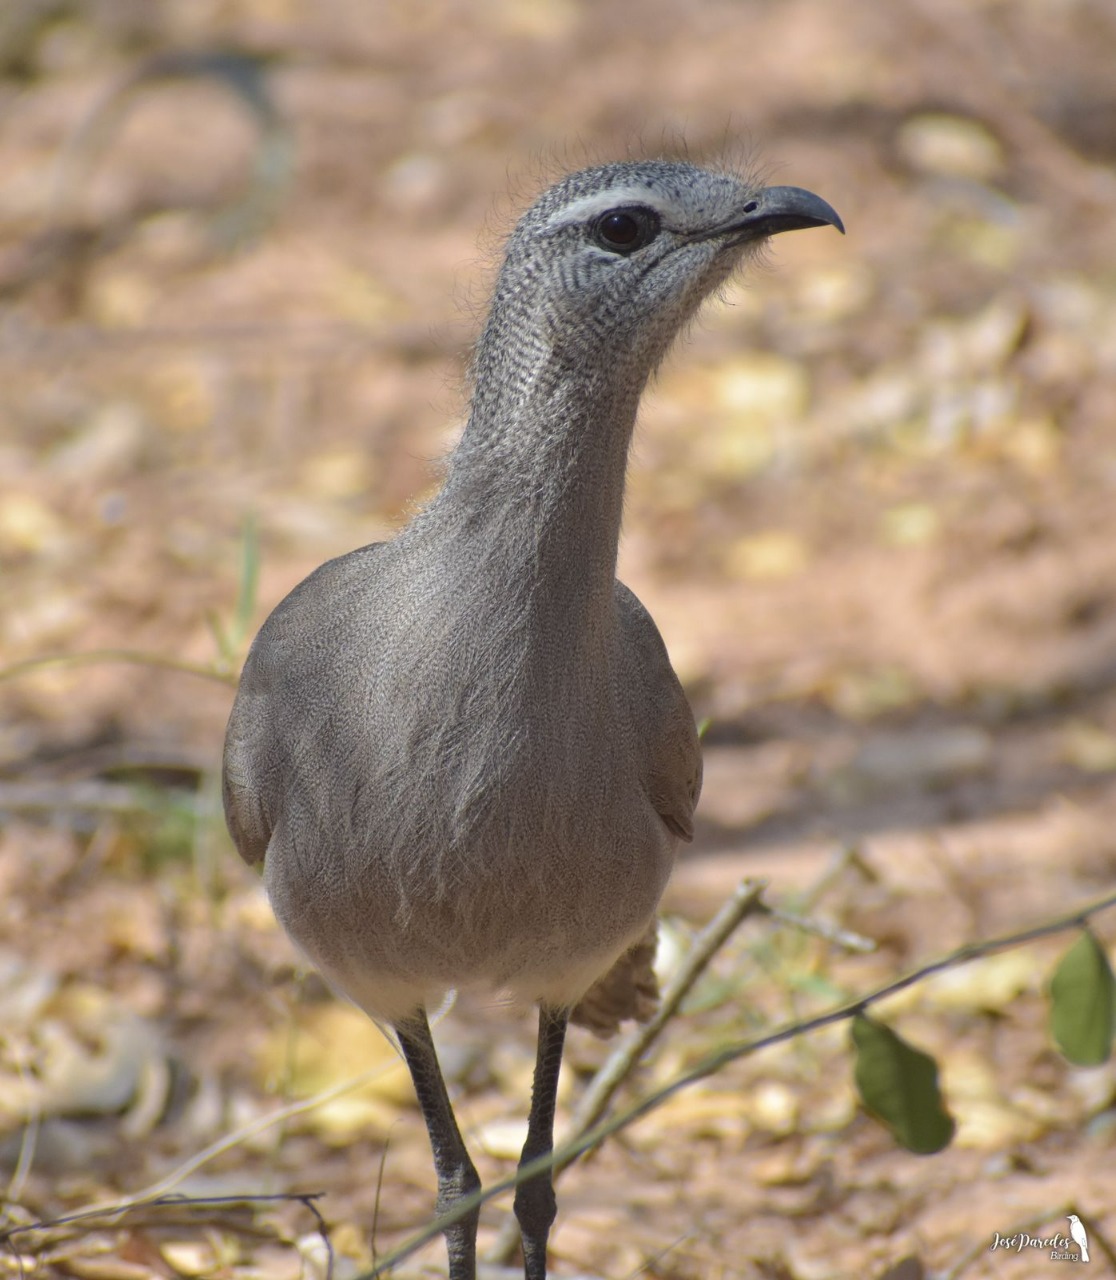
<point x="535" y="1205"/>
<point x="456" y="1175"/>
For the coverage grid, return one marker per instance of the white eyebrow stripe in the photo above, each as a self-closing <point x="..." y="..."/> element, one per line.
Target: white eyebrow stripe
<point x="589" y="206"/>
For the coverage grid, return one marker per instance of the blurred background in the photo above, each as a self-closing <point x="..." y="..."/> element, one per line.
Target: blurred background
<point x="244" y="248"/>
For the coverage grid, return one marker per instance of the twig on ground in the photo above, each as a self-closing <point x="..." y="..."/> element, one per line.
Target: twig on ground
<point x="710" y="1065"/>
<point x="166" y="1210"/>
<point x="844" y="938"/>
<point x="87" y="796"/>
<point x="970" y="40"/>
<point x="623" y="1059"/>
<point x="746" y="900"/>
<point x="228" y="1142"/>
<point x="134" y="656"/>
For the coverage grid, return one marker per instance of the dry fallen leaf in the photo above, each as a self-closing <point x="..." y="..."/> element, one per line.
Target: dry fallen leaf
<point x="338" y="474"/>
<point x="772" y="1106"/>
<point x="29" y="525"/>
<point x="952" y="145"/>
<point x="864" y="694"/>
<point x="328" y="1046"/>
<point x="989" y="1125"/>
<point x="913" y="524"/>
<point x="1088" y="747"/>
<point x="772" y="554"/>
<point x="988" y="985"/>
<point x="183" y="394"/>
<point x="762" y="386"/>
<point x="698" y="1112"/>
<point x="502" y="1138"/>
<point x="76" y="1049"/>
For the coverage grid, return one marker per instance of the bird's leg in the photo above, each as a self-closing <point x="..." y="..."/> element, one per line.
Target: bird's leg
<point x="457" y="1177"/>
<point x="535" y="1205"/>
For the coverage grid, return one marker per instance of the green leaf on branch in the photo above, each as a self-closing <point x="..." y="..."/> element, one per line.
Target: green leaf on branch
<point x="1083" y="1003"/>
<point x="898" y="1084"/>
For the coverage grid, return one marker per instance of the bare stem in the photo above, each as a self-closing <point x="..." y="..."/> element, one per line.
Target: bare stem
<point x="710" y="1065"/>
<point x="623" y="1059"/>
<point x="133" y="656"/>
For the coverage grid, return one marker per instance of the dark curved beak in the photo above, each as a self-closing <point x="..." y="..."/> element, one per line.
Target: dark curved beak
<point x="776" y="209"/>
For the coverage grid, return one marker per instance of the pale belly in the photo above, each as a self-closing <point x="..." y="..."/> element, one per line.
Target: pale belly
<point x="539" y="919"/>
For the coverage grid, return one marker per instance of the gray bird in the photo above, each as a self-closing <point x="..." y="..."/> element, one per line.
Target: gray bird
<point x="463" y="756"/>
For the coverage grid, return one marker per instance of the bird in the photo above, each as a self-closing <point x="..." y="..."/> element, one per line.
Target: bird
<point x="462" y="755"/>
<point x="1077" y="1231"/>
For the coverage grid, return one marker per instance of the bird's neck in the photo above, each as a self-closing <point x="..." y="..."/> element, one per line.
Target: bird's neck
<point x="535" y="489"/>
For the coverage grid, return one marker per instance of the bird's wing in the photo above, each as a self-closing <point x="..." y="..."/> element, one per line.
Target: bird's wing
<point x="245" y="814"/>
<point x="284" y="670"/>
<point x="629" y="989"/>
<point x="665" y="721"/>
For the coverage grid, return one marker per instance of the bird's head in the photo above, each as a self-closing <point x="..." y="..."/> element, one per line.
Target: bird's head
<point x="620" y="256"/>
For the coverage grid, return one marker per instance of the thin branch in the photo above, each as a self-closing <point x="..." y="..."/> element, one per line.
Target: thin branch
<point x="833" y="933"/>
<point x="28" y="1142"/>
<point x="714" y="1062"/>
<point x="165" y="1185"/>
<point x="658" y="1256"/>
<point x="745" y="901"/>
<point x="962" y="955"/>
<point x="308" y="1200"/>
<point x="378" y="1201"/>
<point x="848" y="857"/>
<point x="77" y="797"/>
<point x="130" y="1207"/>
<point x="622" y="1061"/>
<point x="979" y="82"/>
<point x="134" y="656"/>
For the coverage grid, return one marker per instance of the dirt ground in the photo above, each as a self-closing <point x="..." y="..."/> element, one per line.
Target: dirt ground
<point x="872" y="506"/>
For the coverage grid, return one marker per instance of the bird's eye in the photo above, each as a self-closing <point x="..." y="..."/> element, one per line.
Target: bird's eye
<point x="624" y="231"/>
